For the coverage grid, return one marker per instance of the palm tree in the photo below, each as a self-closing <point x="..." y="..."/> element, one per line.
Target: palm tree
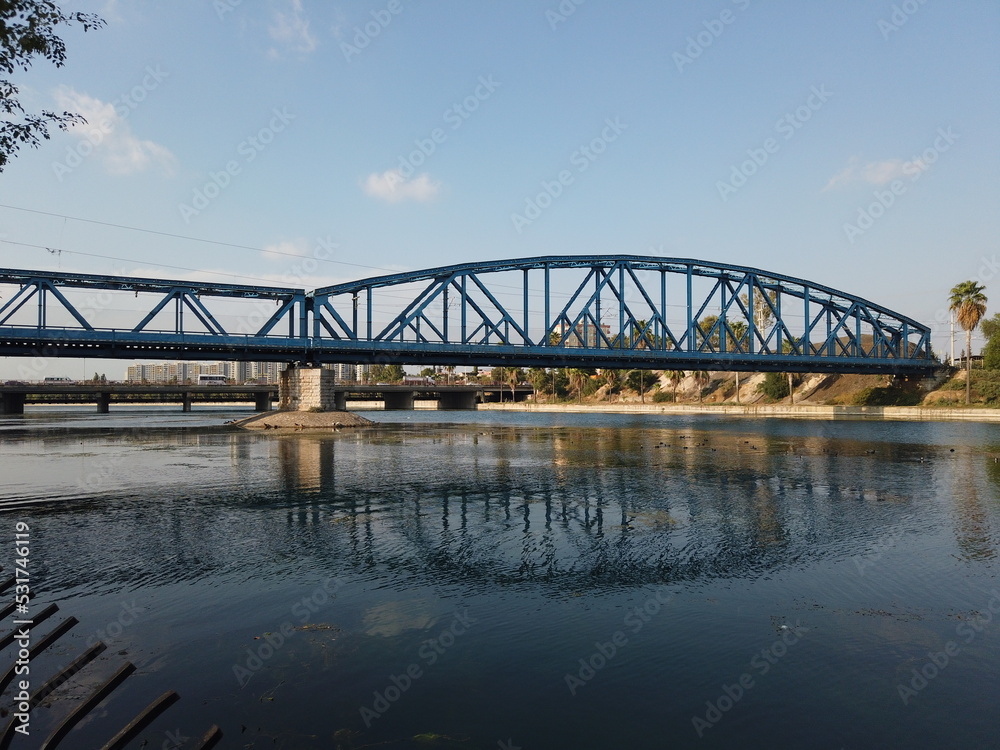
<point x="701" y="379"/>
<point x="515" y="375"/>
<point x="674" y="377"/>
<point x="612" y="378"/>
<point x="968" y="303"/>
<point x="577" y="377"/>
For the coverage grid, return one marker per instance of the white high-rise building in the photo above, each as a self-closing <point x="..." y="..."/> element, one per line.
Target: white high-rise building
<point x="181" y="373"/>
<point x="349" y="373"/>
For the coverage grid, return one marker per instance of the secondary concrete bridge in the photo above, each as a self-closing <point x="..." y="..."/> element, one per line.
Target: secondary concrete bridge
<point x="13" y="398"/>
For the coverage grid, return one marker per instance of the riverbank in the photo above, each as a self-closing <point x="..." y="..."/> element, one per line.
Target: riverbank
<point x="804" y="411"/>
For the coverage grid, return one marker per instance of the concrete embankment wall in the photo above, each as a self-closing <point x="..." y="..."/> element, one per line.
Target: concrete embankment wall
<point x="767" y="410"/>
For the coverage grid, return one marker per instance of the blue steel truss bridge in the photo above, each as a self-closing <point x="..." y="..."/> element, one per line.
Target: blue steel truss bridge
<point x="615" y="311"/>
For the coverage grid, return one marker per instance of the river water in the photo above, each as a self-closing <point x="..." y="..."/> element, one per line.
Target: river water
<point x="491" y="580"/>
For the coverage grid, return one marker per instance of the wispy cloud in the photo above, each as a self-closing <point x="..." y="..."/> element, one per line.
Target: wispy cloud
<point x="392" y="187"/>
<point x="279" y="251"/>
<point x="874" y="172"/>
<point x="110" y="135"/>
<point x="290" y="29"/>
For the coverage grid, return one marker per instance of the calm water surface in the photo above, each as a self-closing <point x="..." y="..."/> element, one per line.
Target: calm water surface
<point x="488" y="580"/>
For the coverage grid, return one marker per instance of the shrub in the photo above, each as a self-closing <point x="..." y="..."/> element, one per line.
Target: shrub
<point x="661" y="397"/>
<point x="775" y="386"/>
<point x="986" y="385"/>
<point x="886" y="396"/>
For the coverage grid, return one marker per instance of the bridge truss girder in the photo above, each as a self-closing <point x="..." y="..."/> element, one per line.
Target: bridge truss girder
<point x="740" y="318"/>
<point x="291" y="304"/>
<point x="574" y="311"/>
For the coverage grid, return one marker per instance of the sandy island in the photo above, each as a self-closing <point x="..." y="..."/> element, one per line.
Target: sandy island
<point x="302" y="420"/>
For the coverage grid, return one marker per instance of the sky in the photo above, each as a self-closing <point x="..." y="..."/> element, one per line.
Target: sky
<point x="853" y="143"/>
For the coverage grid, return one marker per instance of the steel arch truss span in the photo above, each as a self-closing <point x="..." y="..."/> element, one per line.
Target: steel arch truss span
<point x="583" y="311"/>
<point x="619" y="311"/>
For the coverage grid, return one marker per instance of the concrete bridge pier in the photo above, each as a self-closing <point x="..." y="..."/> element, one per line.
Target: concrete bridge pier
<point x="186" y="402"/>
<point x="465" y="401"/>
<point x="103" y="403"/>
<point x="398" y="401"/>
<point x="12" y="403"/>
<point x="340" y="400"/>
<point x="308" y="388"/>
<point x="262" y="402"/>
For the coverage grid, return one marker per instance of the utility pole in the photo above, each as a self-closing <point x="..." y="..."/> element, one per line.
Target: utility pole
<point x="952" y="338"/>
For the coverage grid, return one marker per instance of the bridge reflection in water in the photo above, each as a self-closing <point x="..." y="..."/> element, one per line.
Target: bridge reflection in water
<point x="548" y="533"/>
<point x="598" y="507"/>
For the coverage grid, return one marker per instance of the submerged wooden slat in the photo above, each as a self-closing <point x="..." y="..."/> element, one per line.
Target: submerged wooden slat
<point x="98" y="696"/>
<point x="210" y="739"/>
<point x="51" y="686"/>
<point x="143" y="720"/>
<point x="75" y="666"/>
<point x="58" y="632"/>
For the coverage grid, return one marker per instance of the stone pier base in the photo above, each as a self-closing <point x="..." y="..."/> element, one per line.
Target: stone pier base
<point x="307" y="388"/>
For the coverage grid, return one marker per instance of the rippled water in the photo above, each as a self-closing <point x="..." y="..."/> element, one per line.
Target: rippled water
<point x="485" y="580"/>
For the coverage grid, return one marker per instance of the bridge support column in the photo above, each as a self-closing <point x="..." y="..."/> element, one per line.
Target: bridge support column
<point x="103" y="403"/>
<point x="307" y="388"/>
<point x="12" y="403"/>
<point x="262" y="402"/>
<point x="398" y="400"/>
<point x="340" y="400"/>
<point x="465" y="400"/>
<point x="186" y="401"/>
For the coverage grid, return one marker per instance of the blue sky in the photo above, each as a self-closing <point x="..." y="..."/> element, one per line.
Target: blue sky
<point x="734" y="130"/>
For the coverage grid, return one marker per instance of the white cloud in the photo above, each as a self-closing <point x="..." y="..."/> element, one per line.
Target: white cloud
<point x="875" y="172"/>
<point x="277" y="251"/>
<point x="110" y="13"/>
<point x="110" y="135"/>
<point x="391" y="186"/>
<point x="291" y="30"/>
